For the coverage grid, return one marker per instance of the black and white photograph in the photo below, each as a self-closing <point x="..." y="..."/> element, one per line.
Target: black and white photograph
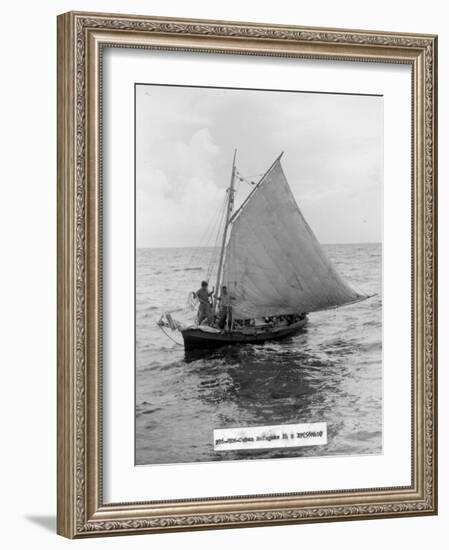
<point x="258" y="274"/>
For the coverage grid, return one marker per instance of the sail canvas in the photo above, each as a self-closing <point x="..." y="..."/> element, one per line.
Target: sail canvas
<point x="274" y="263"/>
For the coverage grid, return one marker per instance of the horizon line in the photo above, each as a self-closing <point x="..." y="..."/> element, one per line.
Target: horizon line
<point x="195" y="246"/>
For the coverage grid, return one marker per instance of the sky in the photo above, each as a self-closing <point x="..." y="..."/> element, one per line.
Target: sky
<point x="185" y="141"/>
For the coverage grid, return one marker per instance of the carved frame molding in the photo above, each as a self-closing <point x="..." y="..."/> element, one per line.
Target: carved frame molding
<point x="81" y="39"/>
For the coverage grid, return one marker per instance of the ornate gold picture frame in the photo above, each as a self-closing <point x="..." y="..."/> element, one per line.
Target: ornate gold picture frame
<point x="82" y="40"/>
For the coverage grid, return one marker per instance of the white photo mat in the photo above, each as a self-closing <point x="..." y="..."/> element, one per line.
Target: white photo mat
<point x="125" y="482"/>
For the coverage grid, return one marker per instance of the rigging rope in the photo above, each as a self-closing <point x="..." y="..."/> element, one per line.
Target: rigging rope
<point x="166" y="334"/>
<point x="215" y="253"/>
<point x="203" y="240"/>
<point x="248" y="179"/>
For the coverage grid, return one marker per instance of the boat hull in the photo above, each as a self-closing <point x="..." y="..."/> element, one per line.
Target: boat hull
<point x="196" y="338"/>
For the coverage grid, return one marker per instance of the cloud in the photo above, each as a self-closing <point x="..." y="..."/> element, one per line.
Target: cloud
<point x="173" y="206"/>
<point x="333" y="151"/>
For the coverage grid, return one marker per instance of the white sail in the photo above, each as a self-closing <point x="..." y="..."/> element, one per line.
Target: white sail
<point x="274" y="264"/>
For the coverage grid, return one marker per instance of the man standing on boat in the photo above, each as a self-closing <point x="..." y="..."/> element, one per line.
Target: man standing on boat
<point x="225" y="310"/>
<point x="205" y="308"/>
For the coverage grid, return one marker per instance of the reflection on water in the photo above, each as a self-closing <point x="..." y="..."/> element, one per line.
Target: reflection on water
<point x="329" y="372"/>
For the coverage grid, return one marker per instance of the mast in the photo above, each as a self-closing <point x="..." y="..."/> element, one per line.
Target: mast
<point x="230" y="191"/>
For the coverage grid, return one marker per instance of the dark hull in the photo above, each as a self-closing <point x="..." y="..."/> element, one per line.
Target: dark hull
<point x="195" y="338"/>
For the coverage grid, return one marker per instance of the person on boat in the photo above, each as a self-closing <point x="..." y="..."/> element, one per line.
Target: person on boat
<point x="205" y="312"/>
<point x="225" y="309"/>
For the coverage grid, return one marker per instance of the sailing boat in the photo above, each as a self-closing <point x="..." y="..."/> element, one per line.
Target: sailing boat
<point x="273" y="266"/>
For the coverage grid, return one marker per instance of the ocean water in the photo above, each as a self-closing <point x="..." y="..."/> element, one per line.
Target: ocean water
<point x="329" y="372"/>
